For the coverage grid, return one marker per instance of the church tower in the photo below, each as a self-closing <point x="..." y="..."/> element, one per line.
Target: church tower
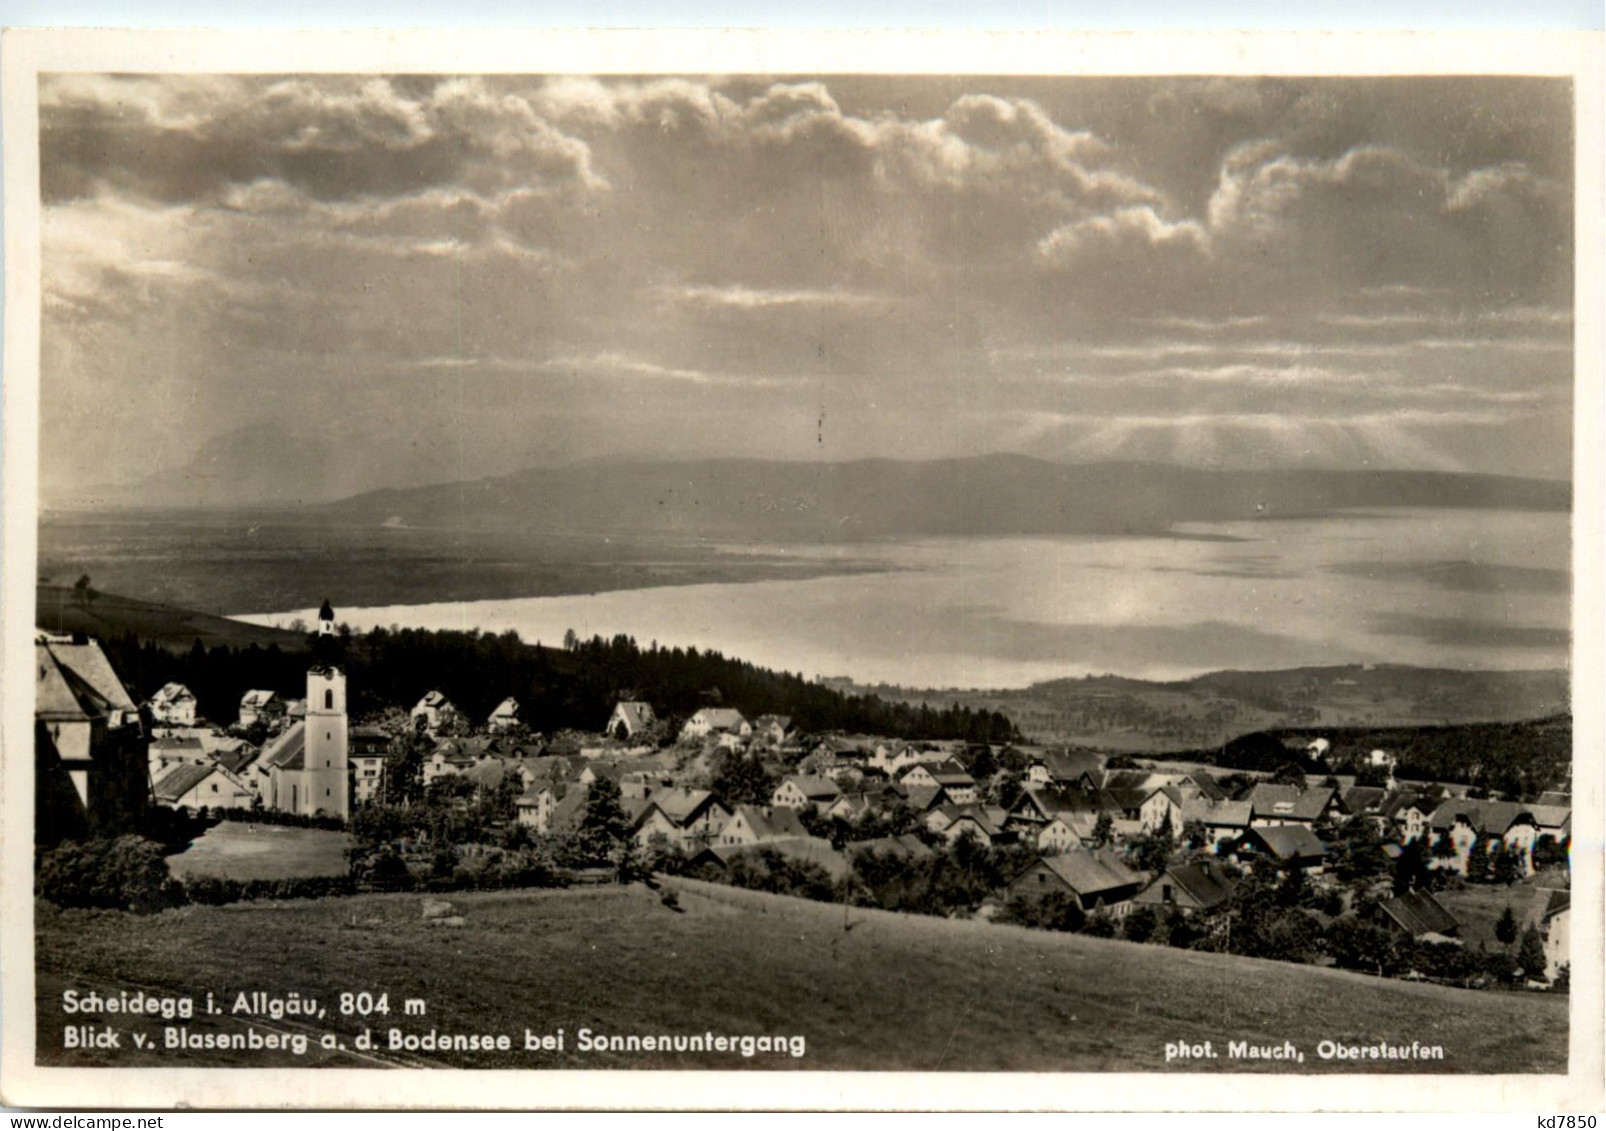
<point x="327" y="748"/>
<point x="326" y="619"/>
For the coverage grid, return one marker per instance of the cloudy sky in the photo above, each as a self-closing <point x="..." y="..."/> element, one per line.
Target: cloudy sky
<point x="444" y="277"/>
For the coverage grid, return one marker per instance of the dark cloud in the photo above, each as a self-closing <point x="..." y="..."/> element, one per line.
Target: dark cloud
<point x="1228" y="271"/>
<point x="1464" y="577"/>
<point x="1453" y="632"/>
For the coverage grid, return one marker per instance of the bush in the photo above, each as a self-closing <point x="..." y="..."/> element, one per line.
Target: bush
<point x="213" y="891"/>
<point x="128" y="874"/>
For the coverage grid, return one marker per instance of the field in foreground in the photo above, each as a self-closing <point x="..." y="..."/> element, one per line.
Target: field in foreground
<point x="867" y="990"/>
<point x="238" y="850"/>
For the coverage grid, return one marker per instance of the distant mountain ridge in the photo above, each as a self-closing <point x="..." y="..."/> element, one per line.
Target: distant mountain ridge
<point x="994" y="495"/>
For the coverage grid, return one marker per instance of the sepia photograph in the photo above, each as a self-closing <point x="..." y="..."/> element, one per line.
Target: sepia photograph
<point x="673" y="563"/>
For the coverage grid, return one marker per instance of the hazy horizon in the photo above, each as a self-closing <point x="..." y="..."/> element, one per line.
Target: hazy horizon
<point x="338" y="283"/>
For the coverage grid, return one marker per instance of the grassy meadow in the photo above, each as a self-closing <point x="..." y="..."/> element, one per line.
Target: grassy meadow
<point x="867" y="989"/>
<point x="237" y="850"/>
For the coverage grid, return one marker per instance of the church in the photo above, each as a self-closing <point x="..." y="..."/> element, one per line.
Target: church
<point x="308" y="765"/>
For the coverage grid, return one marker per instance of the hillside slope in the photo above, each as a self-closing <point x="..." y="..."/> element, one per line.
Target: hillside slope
<point x="986" y="495"/>
<point x="58" y="609"/>
<point x="866" y="989"/>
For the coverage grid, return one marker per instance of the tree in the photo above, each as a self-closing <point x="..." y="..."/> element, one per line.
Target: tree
<point x="1141" y="923"/>
<point x="1410" y="867"/>
<point x="1294" y="888"/>
<point x="1156" y="848"/>
<point x="80" y="589"/>
<point x="1103" y="831"/>
<point x="1505" y="927"/>
<point x="1443" y="846"/>
<point x="1478" y="861"/>
<point x="571" y="640"/>
<point x="1289" y="774"/>
<point x="740" y="779"/>
<point x="1505" y="863"/>
<point x="1194" y="834"/>
<point x="1531" y="954"/>
<point x="1547" y="852"/>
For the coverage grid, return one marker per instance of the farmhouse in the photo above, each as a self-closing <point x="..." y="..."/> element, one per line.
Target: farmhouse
<point x="1202" y="885"/>
<point x="195" y="787"/>
<point x="1271" y="805"/>
<point x="686" y="817"/>
<point x="753" y="825"/>
<point x="260" y="706"/>
<point x="716" y="720"/>
<point x="535" y="808"/>
<point x="1464" y="822"/>
<point x="1093" y="878"/>
<point x="1065" y="832"/>
<point x="806" y="791"/>
<point x="1417" y="915"/>
<point x="630" y="719"/>
<point x="772" y="729"/>
<point x="1222" y="820"/>
<point x="505" y="716"/>
<point x="984" y="823"/>
<point x="432" y="712"/>
<point x="948" y="776"/>
<point x="173" y="705"/>
<point x="1288" y="846"/>
<point x="1080" y="769"/>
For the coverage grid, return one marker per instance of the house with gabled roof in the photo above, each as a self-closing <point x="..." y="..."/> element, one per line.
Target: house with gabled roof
<point x="1273" y="804"/>
<point x="1064" y="832"/>
<point x="772" y="729"/>
<point x="194" y="787"/>
<point x="685" y="817"/>
<point x="1164" y="803"/>
<point x="535" y="807"/>
<point x="806" y="791"/>
<point x="1197" y="886"/>
<point x="260" y="705"/>
<point x="505" y="716"/>
<point x="433" y="711"/>
<point x="716" y="720"/>
<point x="1222" y="820"/>
<point x="751" y="824"/>
<point x="631" y="718"/>
<point x="1288" y="846"/>
<point x="1076" y="768"/>
<point x="1406" y="814"/>
<point x="1094" y="878"/>
<point x="1037" y="805"/>
<point x="1416" y="915"/>
<point x="172" y="705"/>
<point x="984" y="823"/>
<point x="1464" y="821"/>
<point x="946" y="775"/>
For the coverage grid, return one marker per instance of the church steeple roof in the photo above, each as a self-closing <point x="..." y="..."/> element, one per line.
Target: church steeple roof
<point x="327" y="612"/>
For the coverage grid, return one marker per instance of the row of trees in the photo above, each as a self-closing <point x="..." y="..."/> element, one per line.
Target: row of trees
<point x="575" y="687"/>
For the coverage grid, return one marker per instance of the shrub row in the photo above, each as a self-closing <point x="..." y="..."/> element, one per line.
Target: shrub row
<point x="274" y="817"/>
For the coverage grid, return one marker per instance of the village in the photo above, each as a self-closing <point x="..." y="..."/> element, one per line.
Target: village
<point x="1346" y="865"/>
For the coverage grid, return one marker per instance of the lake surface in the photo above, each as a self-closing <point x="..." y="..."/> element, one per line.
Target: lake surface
<point x="1461" y="589"/>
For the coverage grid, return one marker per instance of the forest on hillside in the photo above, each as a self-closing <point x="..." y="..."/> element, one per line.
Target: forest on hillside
<point x="571" y="687"/>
